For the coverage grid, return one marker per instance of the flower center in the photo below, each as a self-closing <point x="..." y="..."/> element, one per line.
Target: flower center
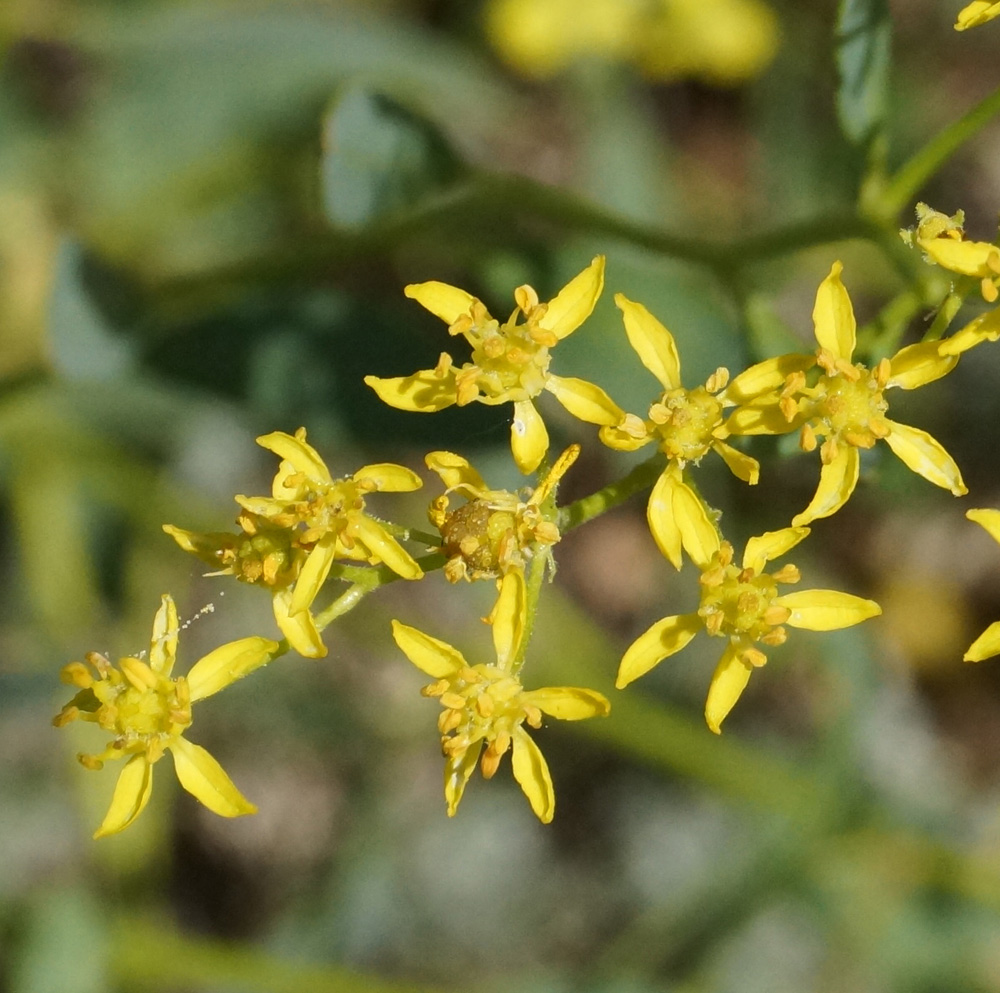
<point x="510" y="360"/>
<point x="851" y="409"/>
<point x="685" y="421"/>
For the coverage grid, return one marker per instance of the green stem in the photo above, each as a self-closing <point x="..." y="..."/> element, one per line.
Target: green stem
<point x="912" y="176"/>
<point x="588" y="507"/>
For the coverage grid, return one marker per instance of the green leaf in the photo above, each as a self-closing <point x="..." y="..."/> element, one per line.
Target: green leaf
<point x="864" y="42"/>
<point x="378" y="159"/>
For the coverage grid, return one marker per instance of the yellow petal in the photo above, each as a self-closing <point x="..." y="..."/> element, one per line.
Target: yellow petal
<point x="383" y="547"/>
<point x="970" y="258"/>
<point x="833" y="316"/>
<point x="132" y="792"/>
<point x="206" y="780"/>
<point x="303" y="457"/>
<point x="279" y="490"/>
<point x="314" y="573"/>
<point x="457" y="771"/>
<point x="728" y="683"/>
<point x="917" y="365"/>
<point x="763" y="416"/>
<point x="987" y="518"/>
<point x="699" y="535"/>
<point x="660" y="517"/>
<point x="436" y="658"/>
<point x="986" y="327"/>
<point x="532" y="772"/>
<point x="529" y="441"/>
<point x="456" y="473"/>
<point x="925" y="456"/>
<point x="584" y="400"/>
<point x="424" y="392"/>
<point x="300" y="630"/>
<point x="652" y="342"/>
<point x="226" y="664"/>
<point x="985" y="646"/>
<point x="766" y="376"/>
<point x="569" y="703"/>
<point x="261" y="506"/>
<point x="976" y="13"/>
<point x="741" y="466"/>
<point x="575" y="302"/>
<point x="444" y="301"/>
<point x="389" y="477"/>
<point x="826" y="610"/>
<point x="770" y="546"/>
<point x="664" y="638"/>
<point x="163" y="648"/>
<point x="508" y="618"/>
<point x="837" y="480"/>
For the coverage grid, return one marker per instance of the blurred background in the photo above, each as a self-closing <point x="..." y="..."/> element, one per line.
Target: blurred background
<point x="208" y="211"/>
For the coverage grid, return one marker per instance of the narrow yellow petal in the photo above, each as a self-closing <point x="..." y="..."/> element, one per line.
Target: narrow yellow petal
<point x="423" y="392"/>
<point x="926" y="457"/>
<point x="741" y="466"/>
<point x="313" y="575"/>
<point x="508" y="618"/>
<point x="826" y="610"/>
<point x="227" y="663"/>
<point x="389" y="477"/>
<point x="766" y="376"/>
<point x="206" y="780"/>
<point x="917" y="365"/>
<point x="532" y="773"/>
<point x="584" y="400"/>
<point x="303" y="457"/>
<point x="652" y="342"/>
<point x="986" y="645"/>
<point x="444" y="301"/>
<point x="457" y="770"/>
<point x="300" y="630"/>
<point x="969" y="258"/>
<point x="728" y="683"/>
<point x="529" y="441"/>
<point x="833" y="316"/>
<point x="664" y="638"/>
<point x="575" y="302"/>
<point x="163" y="647"/>
<point x="456" y="473"/>
<point x="660" y="517"/>
<point x="383" y="547"/>
<point x="837" y="480"/>
<point x="987" y="518"/>
<point x="762" y="416"/>
<point x="985" y="327"/>
<point x="569" y="703"/>
<point x="699" y="535"/>
<point x="770" y="546"/>
<point x="976" y="13"/>
<point x="436" y="658"/>
<point x="132" y="792"/>
<point x="261" y="506"/>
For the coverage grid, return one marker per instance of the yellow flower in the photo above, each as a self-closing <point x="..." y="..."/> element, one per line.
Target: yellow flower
<point x="148" y="712"/>
<point x="510" y="362"/>
<point x="742" y="604"/>
<point x="686" y="425"/>
<point x="976" y="13"/>
<point x="331" y="511"/>
<point x="988" y="643"/>
<point x="495" y="531"/>
<point x="485" y="708"/>
<point x="845" y="406"/>
<point x="942" y="239"/>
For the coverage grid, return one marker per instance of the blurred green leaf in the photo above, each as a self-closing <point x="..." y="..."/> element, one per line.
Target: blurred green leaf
<point x="864" y="44"/>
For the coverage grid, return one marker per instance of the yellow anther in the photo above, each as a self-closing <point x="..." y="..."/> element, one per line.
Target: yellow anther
<point x="718" y="380"/>
<point x="713" y="622"/>
<point x="138" y="673"/>
<point x="775" y="615"/>
<point x="787" y="574"/>
<point x="453" y="700"/>
<point x="435" y="689"/>
<point x="807" y="438"/>
<point x="777" y="636"/>
<point x="66" y="715"/>
<point x="532" y="716"/>
<point x="76" y="674"/>
<point x="526" y="298"/>
<point x="828" y="451"/>
<point x="485" y="705"/>
<point x="989" y="288"/>
<point x="753" y="656"/>
<point x="490" y="762"/>
<point x="448" y="720"/>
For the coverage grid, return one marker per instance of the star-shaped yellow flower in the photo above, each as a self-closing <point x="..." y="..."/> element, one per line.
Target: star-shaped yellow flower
<point x="686" y="424"/>
<point x="846" y="406"/>
<point x="976" y="13"/>
<point x="742" y="605"/>
<point x="988" y="643"/>
<point x="148" y="713"/>
<point x="485" y="707"/>
<point x="510" y="361"/>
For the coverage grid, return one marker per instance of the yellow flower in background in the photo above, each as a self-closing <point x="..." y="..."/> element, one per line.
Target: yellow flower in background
<point x="942" y="239"/>
<point x="846" y="406"/>
<point x="485" y="707"/>
<point x="976" y="13"/>
<point x="742" y="605"/>
<point x="148" y="713"/>
<point x="495" y="531"/>
<point x="331" y="513"/>
<point x="988" y="643"/>
<point x="685" y="424"/>
<point x="510" y="361"/>
<point x="721" y="41"/>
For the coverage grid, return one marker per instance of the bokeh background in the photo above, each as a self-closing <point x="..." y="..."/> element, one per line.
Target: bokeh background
<point x="208" y="211"/>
